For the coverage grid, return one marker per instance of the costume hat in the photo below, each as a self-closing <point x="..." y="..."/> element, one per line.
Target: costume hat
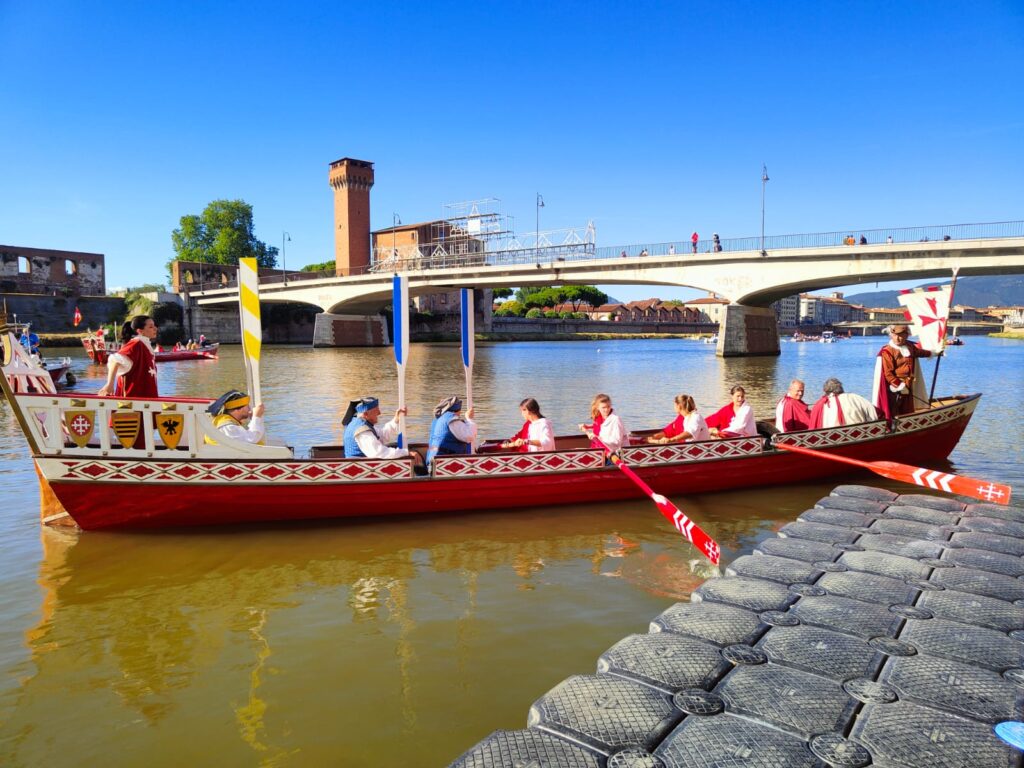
<point x="453" y="404"/>
<point x="362" y="405"/>
<point x="228" y="402"/>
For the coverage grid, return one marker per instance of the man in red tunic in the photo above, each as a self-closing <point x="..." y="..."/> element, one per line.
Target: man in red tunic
<point x="131" y="371"/>
<point x="899" y="388"/>
<point x="792" y="413"/>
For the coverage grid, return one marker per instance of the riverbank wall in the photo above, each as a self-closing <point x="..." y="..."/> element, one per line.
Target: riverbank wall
<point x="56" y="314"/>
<point x="876" y="629"/>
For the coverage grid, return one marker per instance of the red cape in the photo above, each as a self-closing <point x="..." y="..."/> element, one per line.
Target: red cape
<point x="721" y="418"/>
<point x="795" y="414"/>
<point x="818" y="412"/>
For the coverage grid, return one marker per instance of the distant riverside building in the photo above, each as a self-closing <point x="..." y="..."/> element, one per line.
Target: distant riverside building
<point x="787" y="311"/>
<point x="827" y="310"/>
<point x="710" y="309"/>
<point x="885" y="315"/>
<point x="49" y="272"/>
<point x="1012" y="316"/>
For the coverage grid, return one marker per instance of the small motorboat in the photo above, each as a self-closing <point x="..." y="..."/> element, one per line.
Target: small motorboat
<point x="828" y="337"/>
<point x="954" y="341"/>
<point x="711" y="339"/>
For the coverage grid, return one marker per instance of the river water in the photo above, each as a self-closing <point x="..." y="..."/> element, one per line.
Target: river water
<point x="399" y="641"/>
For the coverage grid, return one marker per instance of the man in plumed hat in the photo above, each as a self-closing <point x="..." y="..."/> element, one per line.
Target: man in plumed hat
<point x="898" y="385"/>
<point x="366" y="439"/>
<point x="235" y="417"/>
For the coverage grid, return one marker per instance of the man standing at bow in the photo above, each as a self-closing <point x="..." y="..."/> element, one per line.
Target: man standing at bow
<point x="899" y="386"/>
<point x="792" y="413"/>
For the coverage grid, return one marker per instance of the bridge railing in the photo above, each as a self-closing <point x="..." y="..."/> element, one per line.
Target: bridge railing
<point x="894" y="235"/>
<point x="583" y="251"/>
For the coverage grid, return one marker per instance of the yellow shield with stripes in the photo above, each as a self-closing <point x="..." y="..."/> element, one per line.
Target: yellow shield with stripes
<point x="81" y="425"/>
<point x="126" y="425"/>
<point x="170" y="426"/>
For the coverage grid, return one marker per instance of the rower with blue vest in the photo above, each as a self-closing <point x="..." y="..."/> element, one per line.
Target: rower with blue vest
<point x="233" y="416"/>
<point x="364" y="439"/>
<point x="451" y="433"/>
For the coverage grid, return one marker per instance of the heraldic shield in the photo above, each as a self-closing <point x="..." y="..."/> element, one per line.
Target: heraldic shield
<point x="126" y="426"/>
<point x="170" y="426"/>
<point x="81" y="425"/>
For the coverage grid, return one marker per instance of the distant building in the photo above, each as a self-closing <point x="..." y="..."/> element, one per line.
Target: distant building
<point x="828" y="310"/>
<point x="787" y="311"/>
<point x="1011" y="316"/>
<point x="47" y="272"/>
<point x="884" y="315"/>
<point x="710" y="309"/>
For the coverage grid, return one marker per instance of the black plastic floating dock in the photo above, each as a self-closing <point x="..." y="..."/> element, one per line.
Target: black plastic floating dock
<point x="877" y="629"/>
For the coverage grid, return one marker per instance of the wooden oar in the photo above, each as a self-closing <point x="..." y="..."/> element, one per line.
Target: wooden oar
<point x="693" y="532"/>
<point x="468" y="342"/>
<point x="928" y="478"/>
<point x="400" y="312"/>
<point x="252" y="331"/>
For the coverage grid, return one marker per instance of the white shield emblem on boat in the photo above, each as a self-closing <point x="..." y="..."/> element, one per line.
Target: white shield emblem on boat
<point x="81" y="425"/>
<point x="126" y="426"/>
<point x="170" y="426"/>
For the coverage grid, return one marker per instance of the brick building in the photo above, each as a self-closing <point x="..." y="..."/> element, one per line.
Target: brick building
<point x="51" y="273"/>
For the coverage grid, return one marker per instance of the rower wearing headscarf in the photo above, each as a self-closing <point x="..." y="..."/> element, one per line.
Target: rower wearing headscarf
<point x="230" y="413"/>
<point x="451" y="432"/>
<point x="364" y="439"/>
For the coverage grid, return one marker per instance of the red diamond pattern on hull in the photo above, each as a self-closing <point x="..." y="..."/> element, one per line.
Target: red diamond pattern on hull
<point x="247" y="472"/>
<point x="669" y="454"/>
<point x="822" y="438"/>
<point x="927" y="419"/>
<point x="516" y="463"/>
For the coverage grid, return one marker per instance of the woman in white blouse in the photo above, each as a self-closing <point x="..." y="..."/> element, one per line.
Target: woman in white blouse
<point x="536" y="434"/>
<point x="607" y="427"/>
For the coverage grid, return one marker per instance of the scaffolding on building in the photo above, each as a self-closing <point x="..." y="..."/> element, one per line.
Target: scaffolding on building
<point x="477" y="233"/>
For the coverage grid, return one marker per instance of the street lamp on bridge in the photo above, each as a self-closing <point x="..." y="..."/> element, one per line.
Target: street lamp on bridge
<point x="764" y="183"/>
<point x="285" y="238"/>
<point x="540" y="204"/>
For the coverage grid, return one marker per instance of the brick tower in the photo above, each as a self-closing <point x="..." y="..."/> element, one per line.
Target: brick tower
<point x="351" y="181"/>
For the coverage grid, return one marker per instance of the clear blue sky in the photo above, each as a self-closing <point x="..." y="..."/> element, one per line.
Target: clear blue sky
<point x="652" y="119"/>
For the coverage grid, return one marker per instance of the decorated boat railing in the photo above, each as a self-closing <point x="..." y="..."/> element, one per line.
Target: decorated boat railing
<point x="90" y="426"/>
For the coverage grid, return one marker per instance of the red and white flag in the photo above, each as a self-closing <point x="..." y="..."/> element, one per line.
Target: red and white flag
<point x="927" y="311"/>
<point x="78" y="317"/>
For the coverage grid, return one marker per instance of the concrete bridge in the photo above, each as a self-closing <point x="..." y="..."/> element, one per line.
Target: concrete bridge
<point x="750" y="279"/>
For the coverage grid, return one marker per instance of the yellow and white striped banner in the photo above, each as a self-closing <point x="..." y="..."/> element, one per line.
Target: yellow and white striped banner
<point x="252" y="331"/>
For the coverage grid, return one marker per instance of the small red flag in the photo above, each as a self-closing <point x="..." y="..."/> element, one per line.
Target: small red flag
<point x="78" y="317"/>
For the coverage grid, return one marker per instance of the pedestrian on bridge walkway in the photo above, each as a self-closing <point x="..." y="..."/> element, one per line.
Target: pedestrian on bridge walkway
<point x="693" y="239"/>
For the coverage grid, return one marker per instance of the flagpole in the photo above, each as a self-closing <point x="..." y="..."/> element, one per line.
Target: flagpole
<point x="935" y="374"/>
<point x="468" y="342"/>
<point x="400" y="322"/>
<point x="252" y="332"/>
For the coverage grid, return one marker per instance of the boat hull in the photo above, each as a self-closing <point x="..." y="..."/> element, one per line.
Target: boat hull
<point x="103" y="493"/>
<point x="205" y="353"/>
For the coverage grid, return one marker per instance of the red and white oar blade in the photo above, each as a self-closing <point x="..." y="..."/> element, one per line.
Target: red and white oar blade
<point x="994" y="493"/>
<point x="693" y="532"/>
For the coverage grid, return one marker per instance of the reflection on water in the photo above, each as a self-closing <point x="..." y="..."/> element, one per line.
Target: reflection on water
<point x="381" y="642"/>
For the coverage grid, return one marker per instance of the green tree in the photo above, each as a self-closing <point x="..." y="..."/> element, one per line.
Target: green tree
<point x="578" y="294"/>
<point x="324" y="266"/>
<point x="510" y="309"/>
<point x="502" y="293"/>
<point x="534" y="313"/>
<point x="221" y="234"/>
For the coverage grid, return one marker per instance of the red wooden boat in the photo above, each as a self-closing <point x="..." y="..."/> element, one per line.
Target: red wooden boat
<point x="99" y="351"/>
<point x="209" y="352"/>
<point x="95" y="477"/>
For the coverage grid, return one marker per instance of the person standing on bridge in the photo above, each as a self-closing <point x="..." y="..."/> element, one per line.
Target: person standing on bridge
<point x="694" y="238"/>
